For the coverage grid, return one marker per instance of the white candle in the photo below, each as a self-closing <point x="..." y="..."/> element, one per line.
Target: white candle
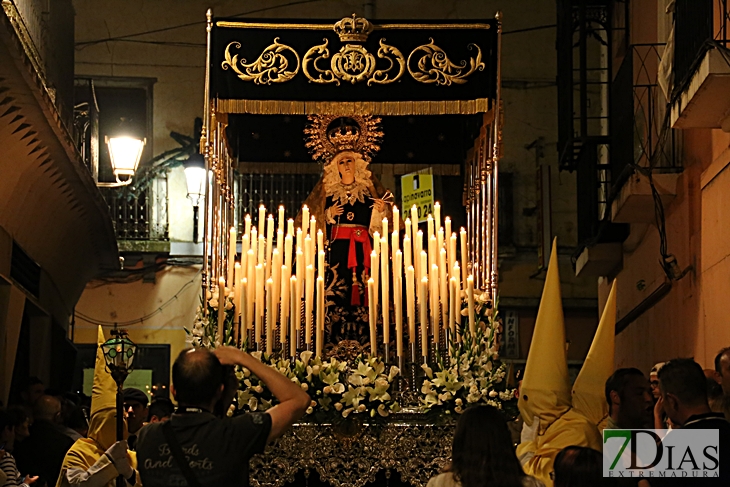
<point x="372" y="315"/>
<point x="470" y="301"/>
<point x="300" y="273"/>
<point x="261" y="252"/>
<point x="398" y="301"/>
<point x="396" y="218"/>
<point x="410" y="304"/>
<point x="452" y="253"/>
<point x="275" y="287"/>
<point x="308" y="254"/>
<point x="251" y="287"/>
<point x="423" y="308"/>
<point x="245" y="245"/>
<point x="281" y="218"/>
<point x="284" y="304"/>
<point x="280" y="243"/>
<point x="221" y="309"/>
<point x="247" y="224"/>
<point x="320" y="240"/>
<point x="269" y="316"/>
<point x="464" y="255"/>
<point x="433" y="254"/>
<point x="453" y="309"/>
<point x="374" y="265"/>
<point x="440" y="239"/>
<point x="437" y="215"/>
<point x="231" y="257"/>
<point x="290" y="227"/>
<point x="417" y="249"/>
<point x="434" y="295"/>
<point x="269" y="243"/>
<point x="395" y="245"/>
<point x="385" y="286"/>
<point x="408" y="229"/>
<point x="309" y="304"/>
<point x="423" y="264"/>
<point x="407" y="261"/>
<point x="385" y="227"/>
<point x="288" y="250"/>
<point x="447" y="225"/>
<point x="244" y="308"/>
<point x="294" y="297"/>
<point x="320" y="316"/>
<point x="414" y="217"/>
<point x="262" y="219"/>
<point x="258" y="315"/>
<point x="237" y="291"/>
<point x="299" y="242"/>
<point x="254" y="243"/>
<point x="429" y="226"/>
<point x="320" y="264"/>
<point x="313" y="226"/>
<point x="305" y="219"/>
<point x="443" y="289"/>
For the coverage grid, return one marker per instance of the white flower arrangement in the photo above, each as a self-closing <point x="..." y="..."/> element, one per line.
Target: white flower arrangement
<point x="336" y="388"/>
<point x="473" y="374"/>
<point x="205" y="326"/>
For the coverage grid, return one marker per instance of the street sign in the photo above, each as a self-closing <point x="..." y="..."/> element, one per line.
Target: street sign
<point x="417" y="189"/>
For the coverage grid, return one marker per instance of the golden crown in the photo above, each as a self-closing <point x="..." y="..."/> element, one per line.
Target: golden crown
<point x="353" y="29"/>
<point x="344" y="137"/>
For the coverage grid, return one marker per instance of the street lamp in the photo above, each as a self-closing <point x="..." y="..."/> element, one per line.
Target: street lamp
<point x="125" y="153"/>
<point x="195" y="177"/>
<point x="119" y="352"/>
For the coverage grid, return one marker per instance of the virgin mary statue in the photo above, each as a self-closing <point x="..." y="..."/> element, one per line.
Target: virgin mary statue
<point x="351" y="203"/>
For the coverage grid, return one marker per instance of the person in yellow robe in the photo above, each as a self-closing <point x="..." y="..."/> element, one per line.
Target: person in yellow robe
<point x="555" y="416"/>
<point x="98" y="459"/>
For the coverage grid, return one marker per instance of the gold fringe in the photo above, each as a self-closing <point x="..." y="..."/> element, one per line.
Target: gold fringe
<point x="283" y="107"/>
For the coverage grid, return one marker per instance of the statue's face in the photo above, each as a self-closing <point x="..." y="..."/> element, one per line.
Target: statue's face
<point x="346" y="167"/>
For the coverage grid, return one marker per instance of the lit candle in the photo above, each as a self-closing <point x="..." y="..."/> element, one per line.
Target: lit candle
<point x="221" y="309"/>
<point x="288" y="250"/>
<point x="290" y="227"/>
<point x="398" y="301"/>
<point x="433" y="254"/>
<point x="434" y="295"/>
<point x="395" y="245"/>
<point x="320" y="316"/>
<point x="396" y="218"/>
<point x="308" y="255"/>
<point x="372" y="315"/>
<point x="414" y="217"/>
<point x="237" y="291"/>
<point x="374" y="266"/>
<point x="275" y="286"/>
<point x="443" y="289"/>
<point x="245" y="245"/>
<point x="251" y="287"/>
<point x="284" y="304"/>
<point x="429" y="226"/>
<point x="244" y="308"/>
<point x="410" y="304"/>
<point x="269" y="243"/>
<point x="408" y="229"/>
<point x="305" y="219"/>
<point x="423" y="315"/>
<point x="308" y="305"/>
<point x="269" y="316"/>
<point x="423" y="264"/>
<point x="320" y="263"/>
<point x="299" y="239"/>
<point x="281" y="219"/>
<point x="417" y="249"/>
<point x="464" y="255"/>
<point x="447" y="225"/>
<point x="280" y="243"/>
<point x="295" y="301"/>
<point x="453" y="309"/>
<point x="231" y="257"/>
<point x="259" y="313"/>
<point x="470" y="301"/>
<point x="437" y="215"/>
<point x="313" y="226"/>
<point x="254" y="243"/>
<point x="261" y="252"/>
<point x="385" y="227"/>
<point x="440" y="239"/>
<point x="262" y="219"/>
<point x="407" y="252"/>
<point x="247" y="224"/>
<point x="452" y="253"/>
<point x="300" y="273"/>
<point x="385" y="286"/>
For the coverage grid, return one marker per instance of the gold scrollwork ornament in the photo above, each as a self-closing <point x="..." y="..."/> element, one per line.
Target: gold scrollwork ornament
<point x="353" y="64"/>
<point x="272" y="65"/>
<point x="434" y="66"/>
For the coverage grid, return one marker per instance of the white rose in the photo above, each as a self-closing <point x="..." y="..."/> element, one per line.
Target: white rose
<point x="315" y="370"/>
<point x="305" y="386"/>
<point x="361" y="408"/>
<point x="310" y="410"/>
<point x="327" y="390"/>
<point x="313" y="403"/>
<point x="259" y="389"/>
<point x="338" y="406"/>
<point x="493" y="394"/>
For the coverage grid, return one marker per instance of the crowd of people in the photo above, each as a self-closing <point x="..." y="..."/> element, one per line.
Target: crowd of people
<point x="57" y="439"/>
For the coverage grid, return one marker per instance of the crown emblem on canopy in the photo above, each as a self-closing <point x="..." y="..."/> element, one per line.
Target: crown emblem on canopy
<point x="353" y="29"/>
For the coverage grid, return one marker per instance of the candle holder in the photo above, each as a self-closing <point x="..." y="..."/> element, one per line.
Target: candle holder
<point x="414" y="346"/>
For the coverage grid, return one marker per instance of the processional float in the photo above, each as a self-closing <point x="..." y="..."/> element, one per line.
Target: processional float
<point x="430" y="293"/>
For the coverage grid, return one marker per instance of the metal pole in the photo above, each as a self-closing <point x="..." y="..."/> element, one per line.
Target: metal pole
<point x="205" y="146"/>
<point x="495" y="162"/>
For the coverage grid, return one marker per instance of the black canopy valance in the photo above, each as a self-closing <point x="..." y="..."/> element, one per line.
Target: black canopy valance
<point x="388" y="68"/>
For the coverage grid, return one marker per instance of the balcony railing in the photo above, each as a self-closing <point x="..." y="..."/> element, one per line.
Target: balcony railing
<point x="139" y="215"/>
<point x="699" y="25"/>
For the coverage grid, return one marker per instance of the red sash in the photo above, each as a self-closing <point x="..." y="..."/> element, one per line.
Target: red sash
<point x="359" y="234"/>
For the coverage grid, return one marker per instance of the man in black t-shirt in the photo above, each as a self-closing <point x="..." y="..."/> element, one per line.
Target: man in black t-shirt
<point x="684" y="399"/>
<point x="216" y="449"/>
